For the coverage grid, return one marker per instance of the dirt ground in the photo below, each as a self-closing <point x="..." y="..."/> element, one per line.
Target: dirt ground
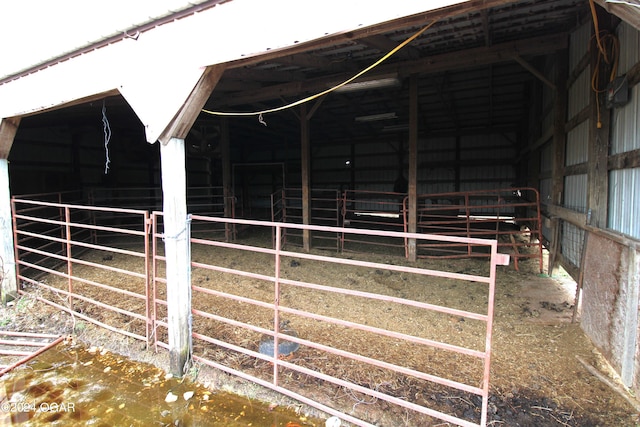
<point x="538" y="372"/>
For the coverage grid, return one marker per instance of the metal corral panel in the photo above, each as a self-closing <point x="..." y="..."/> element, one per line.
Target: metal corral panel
<point x="575" y="192"/>
<point x="624" y="201"/>
<point x="577" y="140"/>
<point x="579" y="93"/>
<point x="579" y="42"/>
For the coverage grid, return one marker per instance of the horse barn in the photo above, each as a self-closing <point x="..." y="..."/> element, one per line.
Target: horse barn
<point x="352" y="205"/>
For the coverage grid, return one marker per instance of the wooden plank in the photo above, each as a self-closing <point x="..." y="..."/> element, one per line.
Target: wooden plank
<point x="598" y="144"/>
<point x="177" y="252"/>
<point x="187" y="115"/>
<point x="8" y="129"/>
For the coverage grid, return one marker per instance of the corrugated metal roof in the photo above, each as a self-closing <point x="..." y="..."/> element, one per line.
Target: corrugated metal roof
<point x="37" y="31"/>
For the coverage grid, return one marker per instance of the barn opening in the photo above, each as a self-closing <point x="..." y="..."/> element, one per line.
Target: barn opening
<point x="473" y="129"/>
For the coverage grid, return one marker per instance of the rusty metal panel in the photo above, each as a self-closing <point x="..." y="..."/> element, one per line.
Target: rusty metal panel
<point x="624" y="201"/>
<point x="610" y="303"/>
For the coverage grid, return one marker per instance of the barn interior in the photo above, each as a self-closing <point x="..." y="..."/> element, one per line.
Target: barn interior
<point x="466" y="102"/>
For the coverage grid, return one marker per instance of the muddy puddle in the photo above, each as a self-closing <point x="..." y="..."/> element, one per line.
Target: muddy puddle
<point x="72" y="385"/>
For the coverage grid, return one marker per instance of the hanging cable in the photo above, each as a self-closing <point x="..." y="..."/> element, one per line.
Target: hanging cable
<point x="318" y="95"/>
<point x="608" y="53"/>
<point x="106" y="129"/>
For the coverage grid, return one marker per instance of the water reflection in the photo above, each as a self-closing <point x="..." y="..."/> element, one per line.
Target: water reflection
<point x="73" y="385"/>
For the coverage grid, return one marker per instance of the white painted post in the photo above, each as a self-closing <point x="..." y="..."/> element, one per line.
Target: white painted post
<point x="8" y="279"/>
<point x="178" y="255"/>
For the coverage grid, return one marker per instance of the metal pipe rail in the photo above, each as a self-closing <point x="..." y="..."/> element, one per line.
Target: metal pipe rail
<point x="206" y="321"/>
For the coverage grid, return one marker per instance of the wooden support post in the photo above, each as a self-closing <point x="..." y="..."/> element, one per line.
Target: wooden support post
<point x="305" y="158"/>
<point x="178" y="255"/>
<point x="559" y="147"/>
<point x="227" y="180"/>
<point x="8" y="279"/>
<point x="413" y="164"/>
<point x="598" y="144"/>
<point x="7" y="260"/>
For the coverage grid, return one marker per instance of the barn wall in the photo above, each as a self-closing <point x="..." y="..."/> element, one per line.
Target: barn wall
<point x="610" y="303"/>
<point x="57" y="159"/>
<point x="610" y="265"/>
<point x="624" y="184"/>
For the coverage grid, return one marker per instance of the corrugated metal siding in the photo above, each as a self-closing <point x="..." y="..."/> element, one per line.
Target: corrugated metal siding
<point x="579" y="44"/>
<point x="546" y="158"/>
<point x="579" y="93"/>
<point x="624" y="184"/>
<point x="575" y="192"/>
<point x="577" y="140"/>
<point x="548" y="99"/>
<point x="624" y="201"/>
<point x="630" y="47"/>
<point x="626" y="121"/>
<point x="546" y="185"/>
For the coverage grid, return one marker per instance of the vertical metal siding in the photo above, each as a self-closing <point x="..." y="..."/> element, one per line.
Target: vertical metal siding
<point x="624" y="184"/>
<point x="624" y="201"/>
<point x="626" y="121"/>
<point x="577" y="148"/>
<point x="575" y="192"/>
<point x="579" y="42"/>
<point x="579" y="93"/>
<point x="546" y="158"/>
<point x="629" y="47"/>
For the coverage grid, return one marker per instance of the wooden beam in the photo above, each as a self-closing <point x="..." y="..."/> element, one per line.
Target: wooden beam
<point x="628" y="159"/>
<point x="559" y="147"/>
<point x="182" y="122"/>
<point x="626" y="12"/>
<point x="578" y="219"/>
<point x="384" y="44"/>
<point x="534" y="71"/>
<point x="598" y="143"/>
<point x="476" y="57"/>
<point x="177" y="252"/>
<point x="8" y="129"/>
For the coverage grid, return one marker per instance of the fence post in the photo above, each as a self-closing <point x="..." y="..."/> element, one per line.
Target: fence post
<point x="177" y="253"/>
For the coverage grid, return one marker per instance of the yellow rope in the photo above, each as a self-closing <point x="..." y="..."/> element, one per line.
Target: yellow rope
<point x="318" y="95"/>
